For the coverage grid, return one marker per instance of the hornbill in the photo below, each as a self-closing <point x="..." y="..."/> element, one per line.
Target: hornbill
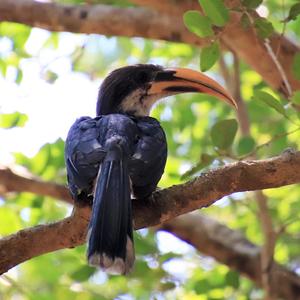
<point x="122" y="152"/>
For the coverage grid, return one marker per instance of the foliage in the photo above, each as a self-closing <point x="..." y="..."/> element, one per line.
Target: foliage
<point x="201" y="132"/>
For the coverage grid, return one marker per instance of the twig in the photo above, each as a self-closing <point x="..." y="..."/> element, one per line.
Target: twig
<point x="279" y="68"/>
<point x="273" y="139"/>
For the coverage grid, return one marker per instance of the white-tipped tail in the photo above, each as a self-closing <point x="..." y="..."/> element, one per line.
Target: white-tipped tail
<point x="117" y="265"/>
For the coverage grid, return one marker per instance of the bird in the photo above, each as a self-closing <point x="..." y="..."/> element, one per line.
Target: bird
<point x="121" y="153"/>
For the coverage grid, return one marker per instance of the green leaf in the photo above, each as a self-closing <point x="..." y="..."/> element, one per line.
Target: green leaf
<point x="83" y="273"/>
<point x="296" y="66"/>
<point x="50" y="76"/>
<point x="294" y="12"/>
<point x="18" y="33"/>
<point x="223" y="133"/>
<point x="252" y="4"/>
<point x="166" y="286"/>
<point x="296" y="98"/>
<point x="144" y="245"/>
<point x="246" y="145"/>
<point x="53" y="40"/>
<point x="208" y="57"/>
<point x="198" y="24"/>
<point x="270" y="101"/>
<point x="3" y="67"/>
<point x="216" y="11"/>
<point x="19" y="76"/>
<point x="15" y="119"/>
<point x="140" y="268"/>
<point x="206" y="160"/>
<point x="232" y="279"/>
<point x="202" y="286"/>
<point x="263" y="27"/>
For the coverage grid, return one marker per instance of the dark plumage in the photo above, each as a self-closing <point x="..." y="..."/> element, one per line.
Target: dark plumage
<point x="123" y="151"/>
<point x="124" y="146"/>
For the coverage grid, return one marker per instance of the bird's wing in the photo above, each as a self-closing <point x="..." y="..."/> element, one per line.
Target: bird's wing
<point x="83" y="154"/>
<point x="148" y="161"/>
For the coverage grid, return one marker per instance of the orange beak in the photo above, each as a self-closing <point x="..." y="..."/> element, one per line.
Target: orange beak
<point x="181" y="80"/>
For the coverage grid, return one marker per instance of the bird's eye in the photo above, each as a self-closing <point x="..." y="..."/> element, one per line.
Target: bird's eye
<point x="143" y="76"/>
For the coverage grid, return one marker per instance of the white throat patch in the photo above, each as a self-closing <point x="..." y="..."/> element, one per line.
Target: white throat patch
<point x="138" y="103"/>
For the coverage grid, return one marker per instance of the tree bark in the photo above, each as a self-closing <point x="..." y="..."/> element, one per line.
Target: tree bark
<point x="162" y="206"/>
<point x="12" y="182"/>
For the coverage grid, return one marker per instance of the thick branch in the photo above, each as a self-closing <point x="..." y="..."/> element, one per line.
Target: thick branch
<point x="231" y="248"/>
<point x="169" y="7"/>
<point x="102" y="19"/>
<point x="161" y="207"/>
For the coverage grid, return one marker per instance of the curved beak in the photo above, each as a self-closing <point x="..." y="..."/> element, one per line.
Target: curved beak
<point x="181" y="80"/>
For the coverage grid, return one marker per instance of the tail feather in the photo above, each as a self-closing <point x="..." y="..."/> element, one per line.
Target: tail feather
<point x="110" y="239"/>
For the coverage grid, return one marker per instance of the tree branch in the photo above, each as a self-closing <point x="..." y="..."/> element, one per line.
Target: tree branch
<point x="169" y="7"/>
<point x="231" y="248"/>
<point x="160" y="207"/>
<point x="102" y="19"/>
<point x="12" y="182"/>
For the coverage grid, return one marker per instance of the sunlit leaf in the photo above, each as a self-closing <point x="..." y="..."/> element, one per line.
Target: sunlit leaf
<point x="19" y="76"/>
<point x="19" y="33"/>
<point x="9" y="221"/>
<point x="52" y="41"/>
<point x="223" y="133"/>
<point x="3" y="67"/>
<point x="47" y="162"/>
<point x="269" y="100"/>
<point x="15" y="119"/>
<point x="198" y="24"/>
<point x="216" y="11"/>
<point x="209" y="56"/>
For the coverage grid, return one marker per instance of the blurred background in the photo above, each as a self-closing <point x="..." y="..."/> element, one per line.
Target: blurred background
<point x="48" y="79"/>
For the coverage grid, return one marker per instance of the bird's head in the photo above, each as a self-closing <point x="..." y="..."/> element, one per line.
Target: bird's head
<point x="134" y="89"/>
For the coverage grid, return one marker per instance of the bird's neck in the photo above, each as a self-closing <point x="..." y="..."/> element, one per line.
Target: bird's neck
<point x="137" y="104"/>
